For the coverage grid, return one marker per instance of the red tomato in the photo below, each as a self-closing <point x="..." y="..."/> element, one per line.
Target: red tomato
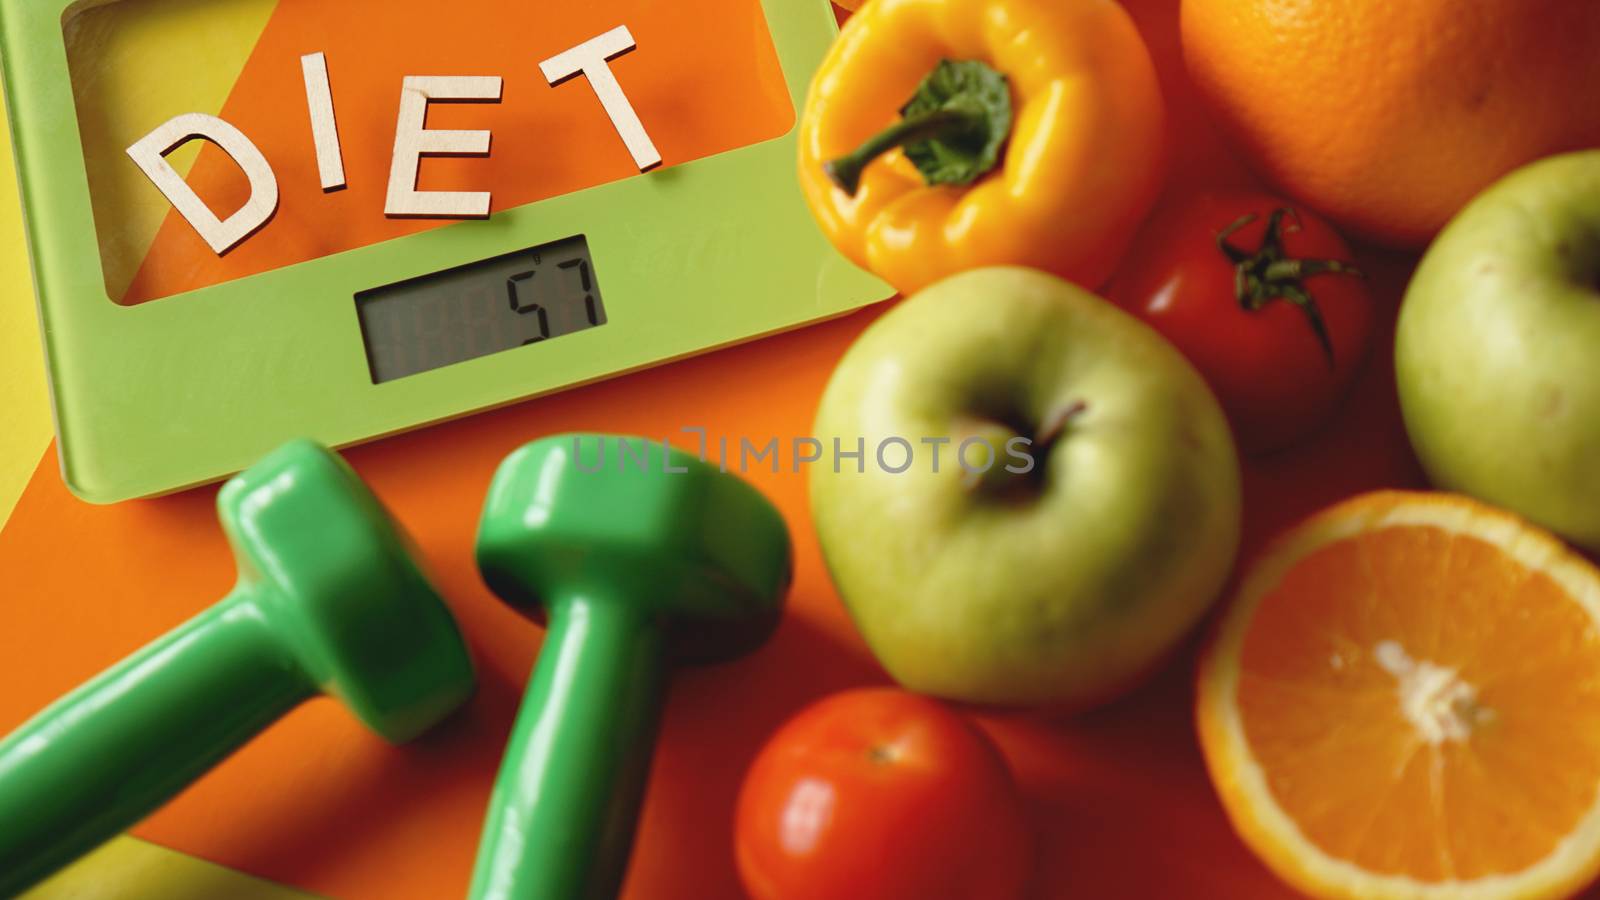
<point x="1275" y="317"/>
<point x="879" y="794"/>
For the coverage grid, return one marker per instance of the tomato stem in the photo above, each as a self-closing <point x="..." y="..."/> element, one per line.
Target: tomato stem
<point x="1268" y="273"/>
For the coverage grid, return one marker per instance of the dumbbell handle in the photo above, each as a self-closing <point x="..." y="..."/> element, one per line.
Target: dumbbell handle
<point x="103" y="757"/>
<point x="562" y="815"/>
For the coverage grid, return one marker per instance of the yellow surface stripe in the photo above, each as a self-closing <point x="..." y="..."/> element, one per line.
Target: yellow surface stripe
<point x="24" y="403"/>
<point x="136" y="64"/>
<point x="131" y="869"/>
<point x="125" y="868"/>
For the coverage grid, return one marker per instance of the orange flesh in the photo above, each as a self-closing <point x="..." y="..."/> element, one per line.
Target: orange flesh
<point x="1485" y="779"/>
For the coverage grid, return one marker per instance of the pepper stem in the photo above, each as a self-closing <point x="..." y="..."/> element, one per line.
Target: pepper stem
<point x="951" y="124"/>
<point x="953" y="129"/>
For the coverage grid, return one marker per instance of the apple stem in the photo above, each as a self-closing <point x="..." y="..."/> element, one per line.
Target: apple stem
<point x="1055" y="424"/>
<point x="1051" y="429"/>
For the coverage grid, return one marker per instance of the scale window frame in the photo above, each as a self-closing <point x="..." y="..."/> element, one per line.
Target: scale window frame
<point x="166" y="395"/>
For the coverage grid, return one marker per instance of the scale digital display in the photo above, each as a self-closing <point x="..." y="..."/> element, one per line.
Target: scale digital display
<point x="491" y="306"/>
<point x="257" y="220"/>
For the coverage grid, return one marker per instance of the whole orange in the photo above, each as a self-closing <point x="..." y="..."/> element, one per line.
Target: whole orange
<point x="1389" y="115"/>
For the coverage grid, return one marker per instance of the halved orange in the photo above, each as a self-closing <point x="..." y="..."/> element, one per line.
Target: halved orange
<point x="1403" y="700"/>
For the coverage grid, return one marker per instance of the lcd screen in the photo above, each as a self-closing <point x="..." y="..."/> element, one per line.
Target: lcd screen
<point x="485" y="307"/>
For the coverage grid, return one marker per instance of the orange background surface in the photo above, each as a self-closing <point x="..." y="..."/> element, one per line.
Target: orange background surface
<point x="1119" y="796"/>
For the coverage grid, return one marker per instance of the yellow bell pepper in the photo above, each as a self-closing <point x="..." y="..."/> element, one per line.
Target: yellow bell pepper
<point x="943" y="135"/>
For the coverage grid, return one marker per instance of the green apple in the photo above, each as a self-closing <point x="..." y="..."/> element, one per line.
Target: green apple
<point x="1497" y="354"/>
<point x="1105" y="525"/>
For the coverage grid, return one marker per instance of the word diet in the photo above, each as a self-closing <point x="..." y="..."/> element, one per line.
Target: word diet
<point x="412" y="141"/>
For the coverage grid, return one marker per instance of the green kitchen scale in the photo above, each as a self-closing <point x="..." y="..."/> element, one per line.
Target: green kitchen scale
<point x="370" y="298"/>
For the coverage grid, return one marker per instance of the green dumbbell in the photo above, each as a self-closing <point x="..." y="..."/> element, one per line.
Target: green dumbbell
<point x="654" y="559"/>
<point x="328" y="599"/>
